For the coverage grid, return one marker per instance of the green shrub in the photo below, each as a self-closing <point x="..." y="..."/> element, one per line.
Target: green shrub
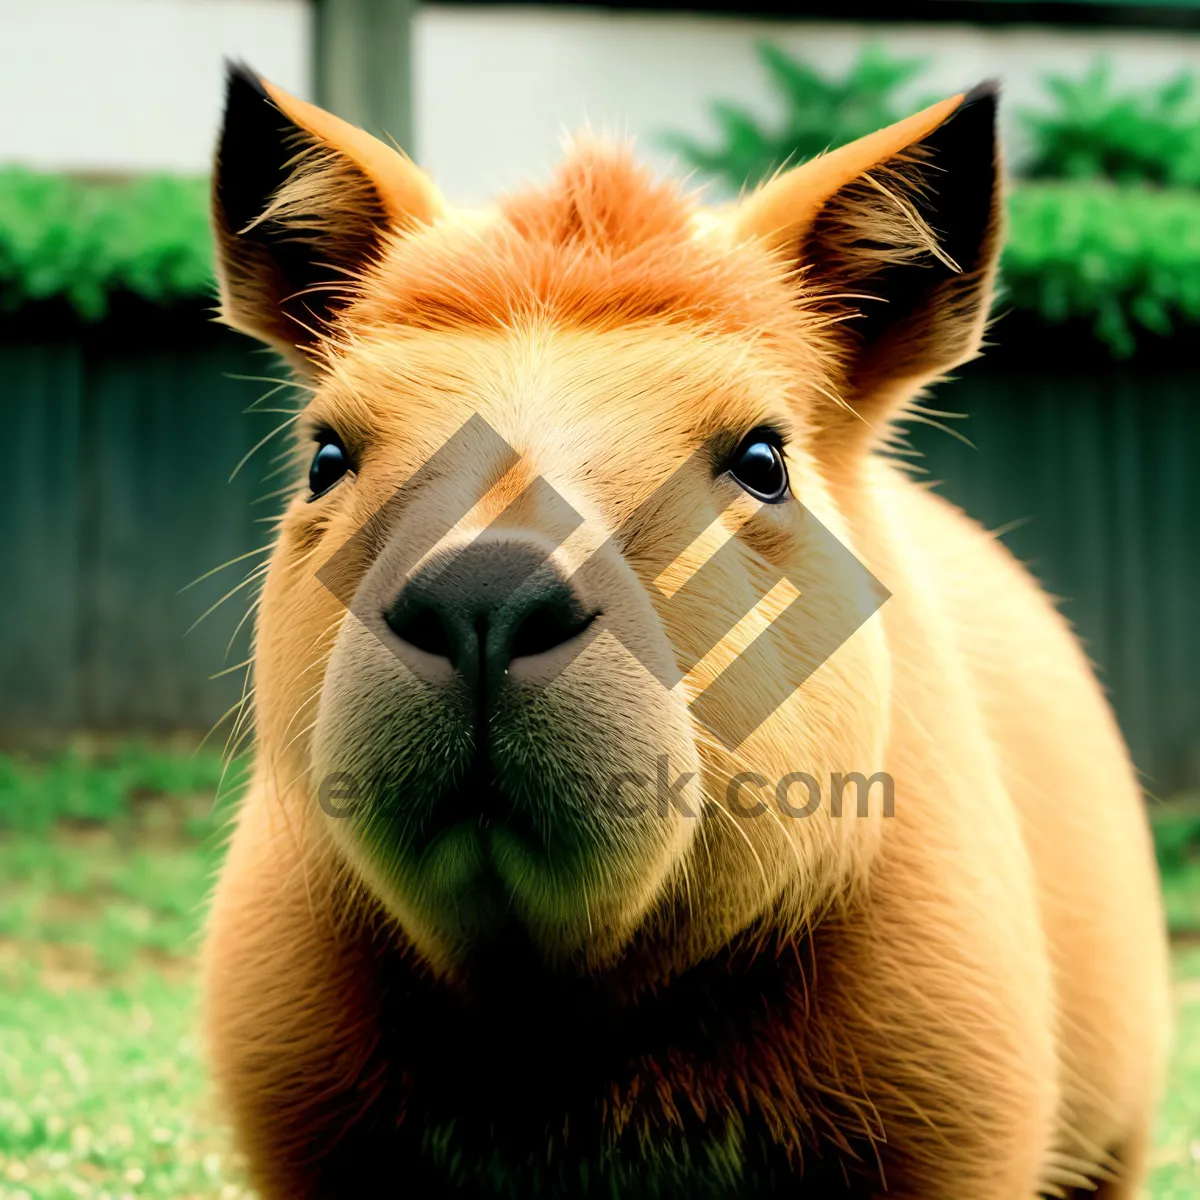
<point x="819" y="114"/>
<point x="86" y="240"/>
<point x="1120" y="257"/>
<point x="1123" y="258"/>
<point x="1093" y="132"/>
<point x="1090" y="131"/>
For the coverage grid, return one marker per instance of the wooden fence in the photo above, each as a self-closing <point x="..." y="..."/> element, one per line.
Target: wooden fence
<point x="119" y="442"/>
<point x="119" y="452"/>
<point x="1092" y="470"/>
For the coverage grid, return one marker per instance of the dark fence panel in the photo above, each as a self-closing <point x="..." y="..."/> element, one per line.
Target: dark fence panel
<point x="120" y="442"/>
<point x="122" y="451"/>
<point x="1094" y="479"/>
<point x="41" y="400"/>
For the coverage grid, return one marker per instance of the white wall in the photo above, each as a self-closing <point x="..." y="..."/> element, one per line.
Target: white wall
<point x="134" y="85"/>
<point x="495" y="89"/>
<point x="123" y="85"/>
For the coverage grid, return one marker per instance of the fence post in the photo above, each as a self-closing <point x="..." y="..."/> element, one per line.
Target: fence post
<point x="363" y="67"/>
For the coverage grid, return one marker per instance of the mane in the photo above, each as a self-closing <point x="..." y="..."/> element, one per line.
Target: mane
<point x="603" y="245"/>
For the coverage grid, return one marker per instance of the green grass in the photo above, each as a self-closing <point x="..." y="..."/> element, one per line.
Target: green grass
<point x="105" y="863"/>
<point x="103" y="1091"/>
<point x="1176" y="1174"/>
<point x="98" y="787"/>
<point x="90" y="890"/>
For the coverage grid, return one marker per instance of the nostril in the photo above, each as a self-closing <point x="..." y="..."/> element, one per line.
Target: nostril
<point x="422" y="628"/>
<point x="474" y="610"/>
<point x="547" y="626"/>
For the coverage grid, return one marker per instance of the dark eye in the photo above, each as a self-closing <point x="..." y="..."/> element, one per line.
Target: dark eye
<point x="758" y="466"/>
<point x="329" y="464"/>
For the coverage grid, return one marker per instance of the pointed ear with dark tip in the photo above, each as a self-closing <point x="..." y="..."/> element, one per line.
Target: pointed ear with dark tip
<point x="899" y="234"/>
<point x="301" y="204"/>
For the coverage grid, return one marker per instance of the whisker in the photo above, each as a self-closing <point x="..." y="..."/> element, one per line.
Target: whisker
<point x="212" y="608"/>
<point x="283" y="491"/>
<point x="228" y="563"/>
<point x="230" y="670"/>
<point x="218" y="723"/>
<point x="261" y="443"/>
<point x="251" y="609"/>
<point x="279" y="470"/>
<point x="304" y="387"/>
<point x="749" y="845"/>
<point x="911" y="415"/>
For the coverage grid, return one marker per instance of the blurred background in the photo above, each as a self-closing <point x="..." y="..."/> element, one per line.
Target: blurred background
<point x="141" y="445"/>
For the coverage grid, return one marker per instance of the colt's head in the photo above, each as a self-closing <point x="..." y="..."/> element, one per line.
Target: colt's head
<point x="565" y="550"/>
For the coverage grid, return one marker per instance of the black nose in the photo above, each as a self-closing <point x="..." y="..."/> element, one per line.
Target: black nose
<point x="486" y="604"/>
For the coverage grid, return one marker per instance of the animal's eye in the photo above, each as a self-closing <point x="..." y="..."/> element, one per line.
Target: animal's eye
<point x="758" y="466"/>
<point x="329" y="464"/>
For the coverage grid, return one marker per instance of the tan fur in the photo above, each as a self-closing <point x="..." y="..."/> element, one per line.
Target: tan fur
<point x="975" y="989"/>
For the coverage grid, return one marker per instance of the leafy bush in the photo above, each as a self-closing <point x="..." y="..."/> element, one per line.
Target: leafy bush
<point x="1152" y="136"/>
<point x="819" y="114"/>
<point x="1123" y="258"/>
<point x="1092" y="132"/>
<point x="87" y="240"/>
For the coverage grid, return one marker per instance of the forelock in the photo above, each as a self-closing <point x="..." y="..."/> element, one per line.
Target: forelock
<point x="604" y="244"/>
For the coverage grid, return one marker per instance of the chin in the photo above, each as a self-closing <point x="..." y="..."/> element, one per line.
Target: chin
<point x="476" y="842"/>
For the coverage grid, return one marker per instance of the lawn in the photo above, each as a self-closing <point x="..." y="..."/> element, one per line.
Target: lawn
<point x="103" y="873"/>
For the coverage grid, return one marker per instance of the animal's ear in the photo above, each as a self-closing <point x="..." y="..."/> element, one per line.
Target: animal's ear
<point x="301" y="204"/>
<point x="898" y="233"/>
